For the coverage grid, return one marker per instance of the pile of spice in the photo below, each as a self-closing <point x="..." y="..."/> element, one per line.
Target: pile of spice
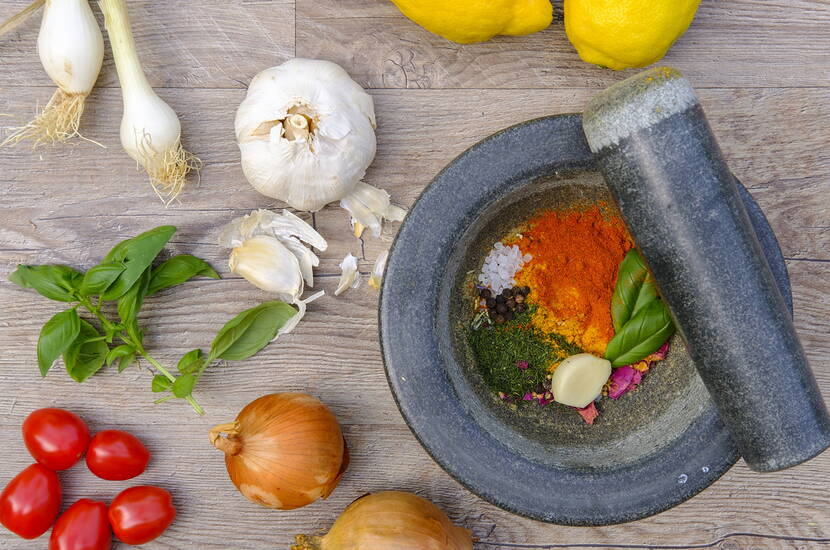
<point x="544" y="295"/>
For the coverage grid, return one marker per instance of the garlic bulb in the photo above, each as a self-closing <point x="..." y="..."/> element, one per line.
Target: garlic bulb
<point x="349" y="277"/>
<point x="306" y="136"/>
<point x="284" y="450"/>
<point x="376" y="278"/>
<point x="390" y="520"/>
<point x="71" y="50"/>
<point x="268" y="251"/>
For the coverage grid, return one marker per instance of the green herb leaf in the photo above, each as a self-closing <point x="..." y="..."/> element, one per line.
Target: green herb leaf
<point x="635" y="288"/>
<point x="118" y="352"/>
<point x="56" y="282"/>
<point x="87" y="353"/>
<point x="183" y="386"/>
<point x="179" y="269"/>
<point x="191" y="361"/>
<point x="137" y="254"/>
<point x="56" y="336"/>
<point x="99" y="278"/>
<point x="126" y="362"/>
<point x="642" y="335"/>
<point x="161" y="383"/>
<point x="130" y="304"/>
<point x="250" y="331"/>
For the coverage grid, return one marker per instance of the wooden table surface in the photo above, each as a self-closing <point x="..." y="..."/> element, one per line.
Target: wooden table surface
<point x="762" y="70"/>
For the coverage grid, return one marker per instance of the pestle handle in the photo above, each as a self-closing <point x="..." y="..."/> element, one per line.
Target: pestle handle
<point x="681" y="204"/>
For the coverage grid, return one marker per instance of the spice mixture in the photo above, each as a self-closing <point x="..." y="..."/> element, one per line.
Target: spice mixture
<point x="544" y="295"/>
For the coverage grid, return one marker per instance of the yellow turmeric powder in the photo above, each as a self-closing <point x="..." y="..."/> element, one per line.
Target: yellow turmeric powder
<point x="576" y="254"/>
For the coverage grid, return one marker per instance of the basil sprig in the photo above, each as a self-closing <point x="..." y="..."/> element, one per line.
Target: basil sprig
<point x="642" y="322"/>
<point x="127" y="276"/>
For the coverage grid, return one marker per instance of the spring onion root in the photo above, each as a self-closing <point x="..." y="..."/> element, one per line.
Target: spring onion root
<point x="71" y="50"/>
<point x="150" y="129"/>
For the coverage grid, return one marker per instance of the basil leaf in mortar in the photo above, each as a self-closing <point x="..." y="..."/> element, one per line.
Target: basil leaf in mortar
<point x="642" y="335"/>
<point x="635" y="288"/>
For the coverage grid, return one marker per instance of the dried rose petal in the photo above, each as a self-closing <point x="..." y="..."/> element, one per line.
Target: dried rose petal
<point x="660" y="354"/>
<point x="523" y="365"/>
<point x="623" y="380"/>
<point x="589" y="413"/>
<point x="528" y="397"/>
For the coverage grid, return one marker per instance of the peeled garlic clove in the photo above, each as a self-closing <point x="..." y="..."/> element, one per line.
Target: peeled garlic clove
<point x="349" y="277"/>
<point x="266" y="263"/>
<point x="578" y="380"/>
<point x="376" y="277"/>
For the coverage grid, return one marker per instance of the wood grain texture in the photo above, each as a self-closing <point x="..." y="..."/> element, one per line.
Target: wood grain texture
<point x="740" y="43"/>
<point x="762" y="69"/>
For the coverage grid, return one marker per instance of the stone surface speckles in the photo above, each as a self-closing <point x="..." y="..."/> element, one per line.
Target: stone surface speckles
<point x="683" y="208"/>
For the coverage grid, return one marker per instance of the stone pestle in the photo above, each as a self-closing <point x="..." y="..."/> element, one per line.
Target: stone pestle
<point x="680" y="201"/>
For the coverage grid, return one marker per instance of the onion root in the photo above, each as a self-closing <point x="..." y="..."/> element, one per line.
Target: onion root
<point x="168" y="170"/>
<point x="59" y="121"/>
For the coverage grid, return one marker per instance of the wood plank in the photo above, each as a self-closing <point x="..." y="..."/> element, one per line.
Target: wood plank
<point x="188" y="44"/>
<point x="740" y="43"/>
<point x="775" y="140"/>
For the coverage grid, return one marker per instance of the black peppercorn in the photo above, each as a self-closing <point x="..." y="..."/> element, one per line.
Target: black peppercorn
<point x="521" y="308"/>
<point x="519" y="299"/>
<point x="500" y="299"/>
<point x="507" y="292"/>
<point x="508" y="316"/>
<point x="510" y="303"/>
<point x="499" y="320"/>
<point x="485" y="293"/>
<point x="525" y="290"/>
<point x="491" y="302"/>
<point x="501" y="308"/>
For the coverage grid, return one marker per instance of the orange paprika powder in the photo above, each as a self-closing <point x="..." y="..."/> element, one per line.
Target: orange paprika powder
<point x="576" y="254"/>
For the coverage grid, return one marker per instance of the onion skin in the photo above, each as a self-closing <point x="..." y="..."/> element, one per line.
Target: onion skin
<point x="390" y="520"/>
<point x="284" y="450"/>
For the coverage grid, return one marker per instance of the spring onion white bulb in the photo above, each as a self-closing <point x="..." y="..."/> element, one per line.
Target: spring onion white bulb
<point x="71" y="50"/>
<point x="306" y="135"/>
<point x="150" y="129"/>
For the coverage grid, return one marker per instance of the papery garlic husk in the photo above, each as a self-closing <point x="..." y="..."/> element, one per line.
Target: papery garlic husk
<point x="71" y="50"/>
<point x="376" y="278"/>
<point x="369" y="206"/>
<point x="268" y="251"/>
<point x="284" y="450"/>
<point x="349" y="276"/>
<point x="390" y="520"/>
<point x="306" y="136"/>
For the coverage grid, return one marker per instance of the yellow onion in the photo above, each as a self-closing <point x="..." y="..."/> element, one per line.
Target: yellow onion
<point x="390" y="520"/>
<point x="284" y="450"/>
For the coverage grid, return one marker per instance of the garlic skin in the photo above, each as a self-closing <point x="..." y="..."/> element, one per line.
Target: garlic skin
<point x="71" y="49"/>
<point x="268" y="251"/>
<point x="306" y="136"/>
<point x="349" y="277"/>
<point x="376" y="278"/>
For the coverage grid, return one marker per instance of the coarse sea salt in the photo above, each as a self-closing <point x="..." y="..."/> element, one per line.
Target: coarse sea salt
<point x="500" y="267"/>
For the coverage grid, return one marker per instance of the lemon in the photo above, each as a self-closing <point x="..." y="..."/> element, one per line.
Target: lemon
<point x="620" y="34"/>
<point x="467" y="21"/>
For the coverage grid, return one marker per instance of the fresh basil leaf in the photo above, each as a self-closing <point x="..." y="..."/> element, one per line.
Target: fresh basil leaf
<point x="250" y="331"/>
<point x="191" y="361"/>
<point x="642" y="335"/>
<point x="56" y="282"/>
<point x="179" y="269"/>
<point x="137" y="254"/>
<point x="126" y="362"/>
<point x="635" y="288"/>
<point x="161" y="383"/>
<point x="183" y="386"/>
<point x="130" y="304"/>
<point x="87" y="353"/>
<point x="118" y="352"/>
<point x="56" y="336"/>
<point x="99" y="278"/>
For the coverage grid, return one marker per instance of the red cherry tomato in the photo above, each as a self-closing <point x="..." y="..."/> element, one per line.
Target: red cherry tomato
<point x="30" y="502"/>
<point x="116" y="455"/>
<point x="84" y="526"/>
<point x="56" y="438"/>
<point x="140" y="514"/>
